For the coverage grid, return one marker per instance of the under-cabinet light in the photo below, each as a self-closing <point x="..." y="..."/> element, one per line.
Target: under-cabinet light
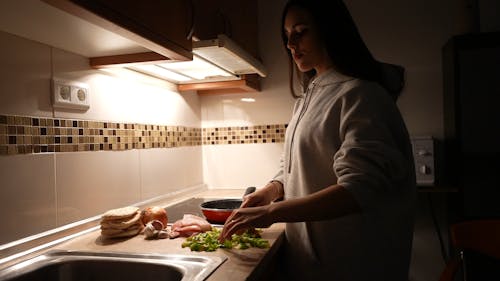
<point x="247" y="99"/>
<point x="197" y="68"/>
<point x="161" y="72"/>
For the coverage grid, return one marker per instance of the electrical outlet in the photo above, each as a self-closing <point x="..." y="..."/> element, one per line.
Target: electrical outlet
<point x="70" y="95"/>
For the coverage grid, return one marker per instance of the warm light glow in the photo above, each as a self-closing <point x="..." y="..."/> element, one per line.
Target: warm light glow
<point x="161" y="72"/>
<point x="185" y="71"/>
<point x="197" y="68"/>
<point x="247" y="99"/>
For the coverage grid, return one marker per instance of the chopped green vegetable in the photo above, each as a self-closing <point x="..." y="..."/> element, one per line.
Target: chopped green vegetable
<point x="208" y="241"/>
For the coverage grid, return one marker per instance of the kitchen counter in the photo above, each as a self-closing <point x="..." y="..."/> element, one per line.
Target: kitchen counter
<point x="249" y="264"/>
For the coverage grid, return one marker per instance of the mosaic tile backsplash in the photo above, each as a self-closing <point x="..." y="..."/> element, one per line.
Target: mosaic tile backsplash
<point x="23" y="134"/>
<point x="246" y="134"/>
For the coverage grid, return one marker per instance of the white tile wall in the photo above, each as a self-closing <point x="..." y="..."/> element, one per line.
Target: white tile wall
<point x="89" y="183"/>
<point x="27" y="195"/>
<point x="164" y="170"/>
<point x="240" y="165"/>
<point x="24" y="76"/>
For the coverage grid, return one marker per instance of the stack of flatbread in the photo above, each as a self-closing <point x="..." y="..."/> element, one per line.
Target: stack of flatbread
<point x="121" y="222"/>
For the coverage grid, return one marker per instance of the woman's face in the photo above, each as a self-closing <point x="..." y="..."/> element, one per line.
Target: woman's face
<point x="306" y="48"/>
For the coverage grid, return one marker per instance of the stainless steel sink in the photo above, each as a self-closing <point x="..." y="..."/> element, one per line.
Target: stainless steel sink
<point x="90" y="266"/>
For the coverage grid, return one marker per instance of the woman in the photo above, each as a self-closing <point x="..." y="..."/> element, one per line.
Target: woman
<point x="346" y="188"/>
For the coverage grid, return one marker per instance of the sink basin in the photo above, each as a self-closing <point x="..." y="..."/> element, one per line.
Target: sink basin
<point x="78" y="266"/>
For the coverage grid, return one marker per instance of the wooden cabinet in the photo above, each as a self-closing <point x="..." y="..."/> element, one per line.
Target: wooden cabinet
<point x="166" y="27"/>
<point x="236" y="19"/>
<point x="247" y="83"/>
<point x="161" y="26"/>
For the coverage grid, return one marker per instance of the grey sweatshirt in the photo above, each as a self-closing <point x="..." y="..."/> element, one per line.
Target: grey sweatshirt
<point x="348" y="131"/>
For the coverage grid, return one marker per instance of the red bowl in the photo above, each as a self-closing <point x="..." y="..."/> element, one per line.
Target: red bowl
<point x="217" y="211"/>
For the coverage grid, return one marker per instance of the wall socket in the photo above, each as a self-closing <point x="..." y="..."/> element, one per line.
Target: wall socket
<point x="70" y="94"/>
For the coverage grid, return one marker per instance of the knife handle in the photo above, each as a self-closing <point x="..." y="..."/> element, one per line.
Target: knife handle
<point x="250" y="189"/>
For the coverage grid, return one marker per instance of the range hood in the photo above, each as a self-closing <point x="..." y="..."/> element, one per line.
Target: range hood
<point x="225" y="53"/>
<point x="219" y="59"/>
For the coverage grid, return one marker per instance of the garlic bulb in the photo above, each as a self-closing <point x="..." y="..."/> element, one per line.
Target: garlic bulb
<point x="150" y="232"/>
<point x="154" y="230"/>
<point x="162" y="234"/>
<point x="158" y="225"/>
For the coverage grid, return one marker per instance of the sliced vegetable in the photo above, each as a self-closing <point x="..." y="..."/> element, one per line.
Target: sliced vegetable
<point x="208" y="241"/>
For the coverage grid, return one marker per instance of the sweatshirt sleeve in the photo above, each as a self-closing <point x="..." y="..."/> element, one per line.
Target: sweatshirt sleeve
<point x="369" y="162"/>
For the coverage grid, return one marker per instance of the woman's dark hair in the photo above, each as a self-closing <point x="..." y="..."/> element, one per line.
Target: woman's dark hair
<point x="343" y="43"/>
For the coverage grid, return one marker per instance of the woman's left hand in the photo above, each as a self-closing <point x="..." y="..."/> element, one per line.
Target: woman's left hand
<point x="245" y="218"/>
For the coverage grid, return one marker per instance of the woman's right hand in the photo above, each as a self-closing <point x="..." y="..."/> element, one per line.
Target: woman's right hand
<point x="252" y="212"/>
<point x="263" y="196"/>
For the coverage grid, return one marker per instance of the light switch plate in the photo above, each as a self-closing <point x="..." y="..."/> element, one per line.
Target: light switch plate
<point x="70" y="94"/>
<point x="423" y="154"/>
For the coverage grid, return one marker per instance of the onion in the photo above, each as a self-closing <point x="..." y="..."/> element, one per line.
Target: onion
<point x="154" y="213"/>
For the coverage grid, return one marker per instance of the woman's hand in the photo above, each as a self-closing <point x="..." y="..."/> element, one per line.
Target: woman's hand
<point x="329" y="203"/>
<point x="264" y="196"/>
<point x="261" y="197"/>
<point x="254" y="211"/>
<point x="245" y="218"/>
